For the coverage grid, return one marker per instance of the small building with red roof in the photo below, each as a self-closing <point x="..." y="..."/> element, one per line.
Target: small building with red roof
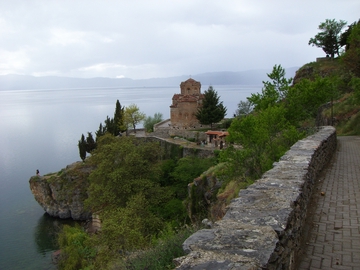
<point x="217" y="138"/>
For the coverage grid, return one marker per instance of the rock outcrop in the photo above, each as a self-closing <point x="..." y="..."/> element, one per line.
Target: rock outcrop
<point x="62" y="194"/>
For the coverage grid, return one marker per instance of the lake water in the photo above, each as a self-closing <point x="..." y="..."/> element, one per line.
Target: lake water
<point x="40" y="129"/>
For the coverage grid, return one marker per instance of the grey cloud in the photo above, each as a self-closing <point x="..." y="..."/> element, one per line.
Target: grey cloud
<point x="142" y="38"/>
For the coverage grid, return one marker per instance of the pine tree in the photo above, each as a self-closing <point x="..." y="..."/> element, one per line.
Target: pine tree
<point x="212" y="110"/>
<point x="100" y="132"/>
<point x="118" y="119"/>
<point x="90" y="143"/>
<point x="82" y="147"/>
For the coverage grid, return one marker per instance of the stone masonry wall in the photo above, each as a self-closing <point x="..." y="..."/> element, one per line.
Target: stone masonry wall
<point x="185" y="151"/>
<point x="262" y="228"/>
<point x="183" y="133"/>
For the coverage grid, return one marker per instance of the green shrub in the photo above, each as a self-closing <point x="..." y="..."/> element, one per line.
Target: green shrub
<point x="160" y="256"/>
<point x="75" y="251"/>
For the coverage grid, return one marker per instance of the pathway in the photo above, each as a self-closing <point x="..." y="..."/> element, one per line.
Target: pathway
<point x="334" y="228"/>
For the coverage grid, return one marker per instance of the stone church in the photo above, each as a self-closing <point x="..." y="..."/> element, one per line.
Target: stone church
<point x="185" y="105"/>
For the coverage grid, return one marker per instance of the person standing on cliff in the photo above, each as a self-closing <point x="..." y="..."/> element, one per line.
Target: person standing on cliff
<point x="37" y="173"/>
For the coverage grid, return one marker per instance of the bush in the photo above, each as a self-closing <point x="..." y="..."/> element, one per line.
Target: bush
<point x="161" y="255"/>
<point x="76" y="253"/>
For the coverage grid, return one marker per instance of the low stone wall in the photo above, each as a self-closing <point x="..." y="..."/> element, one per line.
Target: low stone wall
<point x="183" y="133"/>
<point x="201" y="152"/>
<point x="262" y="228"/>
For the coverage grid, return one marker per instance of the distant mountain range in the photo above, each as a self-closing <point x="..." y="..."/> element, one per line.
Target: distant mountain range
<point x="249" y="77"/>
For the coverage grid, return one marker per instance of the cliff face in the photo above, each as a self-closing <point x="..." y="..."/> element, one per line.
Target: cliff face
<point x="62" y="194"/>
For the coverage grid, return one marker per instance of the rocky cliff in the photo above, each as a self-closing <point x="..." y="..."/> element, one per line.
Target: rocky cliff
<point x="62" y="194"/>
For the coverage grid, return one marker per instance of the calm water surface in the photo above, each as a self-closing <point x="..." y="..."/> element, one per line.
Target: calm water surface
<point x="39" y="129"/>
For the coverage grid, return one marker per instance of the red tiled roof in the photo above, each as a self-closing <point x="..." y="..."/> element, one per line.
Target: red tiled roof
<point x="219" y="133"/>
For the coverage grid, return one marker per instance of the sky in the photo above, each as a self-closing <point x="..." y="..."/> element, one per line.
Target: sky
<point x="142" y="39"/>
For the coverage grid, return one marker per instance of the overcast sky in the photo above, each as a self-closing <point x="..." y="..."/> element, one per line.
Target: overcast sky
<point x="152" y="38"/>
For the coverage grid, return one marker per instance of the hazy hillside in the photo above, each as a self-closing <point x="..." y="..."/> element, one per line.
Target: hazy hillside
<point x="250" y="77"/>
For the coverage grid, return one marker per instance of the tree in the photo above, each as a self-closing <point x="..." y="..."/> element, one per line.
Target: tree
<point x="90" y="143"/>
<point x="130" y="227"/>
<point x="186" y="170"/>
<point x="329" y="37"/>
<point x="352" y="55"/>
<point x="100" y="132"/>
<point x="244" y="108"/>
<point x="124" y="166"/>
<point x="133" y="116"/>
<point x="118" y="119"/>
<point x="305" y="97"/>
<point x="114" y="125"/>
<point x="76" y="253"/>
<point x="211" y="111"/>
<point x="264" y="138"/>
<point x="273" y="91"/>
<point x="149" y="121"/>
<point x="344" y="38"/>
<point x="82" y="147"/>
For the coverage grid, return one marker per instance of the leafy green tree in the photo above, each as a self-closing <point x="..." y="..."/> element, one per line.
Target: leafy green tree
<point x="124" y="167"/>
<point x="352" y="55"/>
<point x="264" y="136"/>
<point x="76" y="253"/>
<point x="82" y="147"/>
<point x="273" y="91"/>
<point x="212" y="110"/>
<point x="131" y="227"/>
<point x="329" y="37"/>
<point x="305" y="97"/>
<point x="149" y="121"/>
<point x="186" y="170"/>
<point x="344" y="38"/>
<point x="244" y="108"/>
<point x="133" y="116"/>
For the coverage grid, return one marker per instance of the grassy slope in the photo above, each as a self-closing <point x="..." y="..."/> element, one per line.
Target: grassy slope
<point x="346" y="111"/>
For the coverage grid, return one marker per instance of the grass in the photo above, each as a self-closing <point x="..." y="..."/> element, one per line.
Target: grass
<point x="346" y="111"/>
<point x="160" y="256"/>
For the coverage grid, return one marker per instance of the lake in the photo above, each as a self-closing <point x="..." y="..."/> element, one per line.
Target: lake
<point x="40" y="129"/>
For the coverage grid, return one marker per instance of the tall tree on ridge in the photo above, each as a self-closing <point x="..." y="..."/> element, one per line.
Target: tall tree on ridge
<point x="330" y="36"/>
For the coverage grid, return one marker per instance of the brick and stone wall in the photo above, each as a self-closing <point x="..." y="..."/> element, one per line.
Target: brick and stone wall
<point x="185" y="105"/>
<point x="262" y="228"/>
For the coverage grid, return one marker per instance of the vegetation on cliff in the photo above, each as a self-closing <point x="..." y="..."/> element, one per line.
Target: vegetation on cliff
<point x="139" y="196"/>
<point x="335" y="83"/>
<point x="142" y="197"/>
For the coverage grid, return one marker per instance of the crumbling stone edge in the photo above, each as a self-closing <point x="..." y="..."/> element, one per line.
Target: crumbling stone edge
<point x="262" y="228"/>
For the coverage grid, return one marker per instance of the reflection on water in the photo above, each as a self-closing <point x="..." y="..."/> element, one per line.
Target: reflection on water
<point x="45" y="233"/>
